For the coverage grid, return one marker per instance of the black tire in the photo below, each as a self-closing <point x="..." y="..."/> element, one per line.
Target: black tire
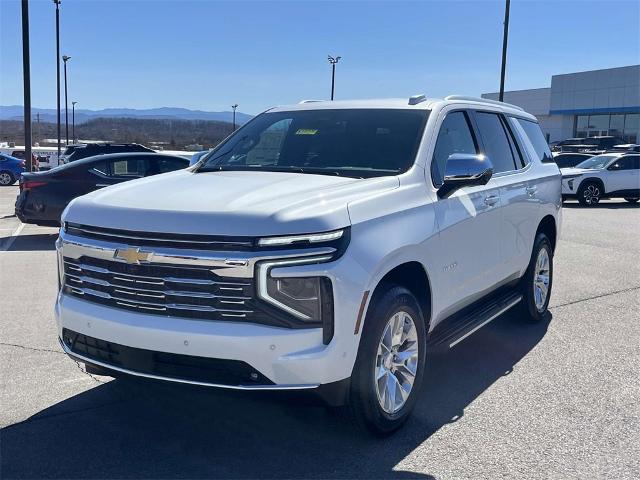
<point x="589" y="193"/>
<point x="363" y="405"/>
<point x="7" y="178"/>
<point x="529" y="310"/>
<point x="632" y="200"/>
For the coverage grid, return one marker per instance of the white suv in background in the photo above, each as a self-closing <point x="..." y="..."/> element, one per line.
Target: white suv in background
<point x="324" y="246"/>
<point x="611" y="175"/>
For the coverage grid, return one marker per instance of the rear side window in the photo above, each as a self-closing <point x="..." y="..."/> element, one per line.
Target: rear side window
<point x="630" y="162"/>
<point x="130" y="167"/>
<point x="496" y="143"/>
<point x="454" y="137"/>
<point x="540" y="145"/>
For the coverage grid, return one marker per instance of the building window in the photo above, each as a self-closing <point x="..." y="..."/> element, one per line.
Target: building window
<point x="624" y="126"/>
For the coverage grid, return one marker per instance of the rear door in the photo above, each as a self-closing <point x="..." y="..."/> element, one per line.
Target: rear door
<point x="519" y="207"/>
<point x="468" y="220"/>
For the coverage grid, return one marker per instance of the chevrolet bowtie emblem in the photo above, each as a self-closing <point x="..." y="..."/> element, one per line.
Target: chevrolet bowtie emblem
<point x="132" y="255"/>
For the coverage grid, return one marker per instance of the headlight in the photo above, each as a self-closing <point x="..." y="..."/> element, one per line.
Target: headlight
<point x="60" y="263"/>
<point x="309" y="299"/>
<point x="570" y="183"/>
<point x="306" y="238"/>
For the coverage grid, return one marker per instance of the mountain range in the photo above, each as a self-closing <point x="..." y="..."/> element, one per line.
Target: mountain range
<point x="16" y="112"/>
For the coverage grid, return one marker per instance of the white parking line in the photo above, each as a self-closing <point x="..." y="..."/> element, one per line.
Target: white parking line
<point x="12" y="238"/>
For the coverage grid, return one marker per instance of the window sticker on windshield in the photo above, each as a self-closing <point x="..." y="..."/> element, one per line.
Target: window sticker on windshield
<point x="306" y="131"/>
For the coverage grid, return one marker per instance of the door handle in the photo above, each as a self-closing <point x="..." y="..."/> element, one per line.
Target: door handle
<point x="491" y="200"/>
<point x="102" y="185"/>
<point x="531" y="191"/>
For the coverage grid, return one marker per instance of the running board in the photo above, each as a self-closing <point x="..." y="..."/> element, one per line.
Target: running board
<point x="458" y="327"/>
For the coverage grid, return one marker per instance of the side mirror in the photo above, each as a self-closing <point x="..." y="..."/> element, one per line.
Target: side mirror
<point x="465" y="170"/>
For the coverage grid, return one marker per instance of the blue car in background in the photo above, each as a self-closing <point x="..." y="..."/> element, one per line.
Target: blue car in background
<point x="10" y="169"/>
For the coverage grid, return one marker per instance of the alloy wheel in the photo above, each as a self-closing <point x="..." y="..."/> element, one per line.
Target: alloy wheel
<point x="541" y="277"/>
<point x="5" y="178"/>
<point x="591" y="194"/>
<point x="396" y="363"/>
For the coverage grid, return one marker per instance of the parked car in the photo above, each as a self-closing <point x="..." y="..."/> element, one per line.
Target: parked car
<point x="590" y="144"/>
<point x="626" y="147"/>
<point x="44" y="195"/>
<point x="325" y="246"/>
<point x="564" y="160"/>
<point x="78" y="151"/>
<point x="611" y="175"/>
<point x="10" y="169"/>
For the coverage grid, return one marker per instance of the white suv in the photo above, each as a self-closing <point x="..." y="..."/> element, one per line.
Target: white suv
<point x="611" y="175"/>
<point x="324" y="246"/>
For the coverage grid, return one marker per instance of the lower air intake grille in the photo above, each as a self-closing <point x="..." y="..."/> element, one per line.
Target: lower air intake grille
<point x="168" y="365"/>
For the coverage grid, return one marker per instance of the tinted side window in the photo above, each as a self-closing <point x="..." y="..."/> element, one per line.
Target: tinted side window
<point x="165" y="165"/>
<point x="630" y="162"/>
<point x="454" y="137"/>
<point x="130" y="167"/>
<point x="496" y="143"/>
<point x="540" y="145"/>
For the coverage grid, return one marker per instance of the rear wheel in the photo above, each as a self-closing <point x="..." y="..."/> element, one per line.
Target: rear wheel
<point x="632" y="200"/>
<point x="389" y="368"/>
<point x="537" y="281"/>
<point x="589" y="193"/>
<point x="6" y="178"/>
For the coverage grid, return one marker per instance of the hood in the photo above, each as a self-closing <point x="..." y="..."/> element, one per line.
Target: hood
<point x="226" y="203"/>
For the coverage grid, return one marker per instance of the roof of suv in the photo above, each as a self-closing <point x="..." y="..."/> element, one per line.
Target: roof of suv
<point x="403" y="103"/>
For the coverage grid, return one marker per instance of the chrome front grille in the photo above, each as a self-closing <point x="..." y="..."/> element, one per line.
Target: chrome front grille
<point x="166" y="290"/>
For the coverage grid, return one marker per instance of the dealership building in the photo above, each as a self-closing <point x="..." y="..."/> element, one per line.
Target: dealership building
<point x="585" y="104"/>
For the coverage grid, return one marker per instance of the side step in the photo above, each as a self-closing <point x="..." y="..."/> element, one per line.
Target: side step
<point x="456" y="328"/>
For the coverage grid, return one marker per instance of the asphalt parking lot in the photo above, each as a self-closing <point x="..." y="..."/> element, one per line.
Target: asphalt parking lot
<point x="555" y="400"/>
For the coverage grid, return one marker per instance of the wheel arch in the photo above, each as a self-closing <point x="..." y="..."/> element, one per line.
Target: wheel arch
<point x="594" y="180"/>
<point x="548" y="226"/>
<point x="414" y="277"/>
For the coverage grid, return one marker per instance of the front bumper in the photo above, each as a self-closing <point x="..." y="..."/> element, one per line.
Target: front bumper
<point x="570" y="186"/>
<point x="288" y="358"/>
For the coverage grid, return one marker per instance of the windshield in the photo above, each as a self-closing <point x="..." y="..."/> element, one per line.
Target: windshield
<point x="351" y="142"/>
<point x="597" y="162"/>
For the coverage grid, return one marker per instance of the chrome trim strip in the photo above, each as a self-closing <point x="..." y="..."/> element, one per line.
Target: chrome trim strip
<point x="157" y="306"/>
<point x="492" y="317"/>
<point x="181" y="380"/>
<point x="115" y="237"/>
<point x="233" y="264"/>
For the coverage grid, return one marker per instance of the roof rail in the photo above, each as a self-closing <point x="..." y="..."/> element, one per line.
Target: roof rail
<point x="416" y="99"/>
<point x="309" y="101"/>
<point x="483" y="100"/>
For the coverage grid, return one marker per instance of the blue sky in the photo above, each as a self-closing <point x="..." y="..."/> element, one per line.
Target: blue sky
<point x="209" y="54"/>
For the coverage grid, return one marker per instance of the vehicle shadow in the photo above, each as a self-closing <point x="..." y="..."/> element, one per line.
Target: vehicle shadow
<point x="145" y="429"/>
<point x="609" y="205"/>
<point x="32" y="242"/>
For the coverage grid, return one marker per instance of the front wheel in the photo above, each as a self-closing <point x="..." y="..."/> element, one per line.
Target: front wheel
<point x="632" y="200"/>
<point x="390" y="365"/>
<point x="6" y="178"/>
<point x="538" y="280"/>
<point x="589" y="194"/>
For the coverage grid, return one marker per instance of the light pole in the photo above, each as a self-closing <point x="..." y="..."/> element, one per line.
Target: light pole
<point x="504" y="48"/>
<point x="234" y="106"/>
<point x="333" y="61"/>
<point x="57" y="3"/>
<point x="73" y="121"/>
<point x="65" y="59"/>
<point x="26" y="73"/>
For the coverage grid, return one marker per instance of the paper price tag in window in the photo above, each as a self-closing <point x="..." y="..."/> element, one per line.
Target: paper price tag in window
<point x="306" y="131"/>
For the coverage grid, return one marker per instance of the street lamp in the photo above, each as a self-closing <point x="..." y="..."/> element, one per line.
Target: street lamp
<point x="65" y="59"/>
<point x="57" y="3"/>
<point x="73" y="121"/>
<point x="333" y="61"/>
<point x="234" y="106"/>
<point x="505" y="35"/>
<point x="26" y="76"/>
